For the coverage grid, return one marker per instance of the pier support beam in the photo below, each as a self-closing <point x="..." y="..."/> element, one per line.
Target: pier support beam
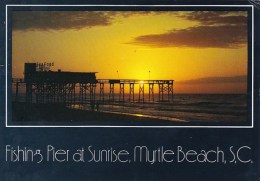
<point x="101" y="92"/>
<point x="111" y="92"/>
<point x="29" y="91"/>
<point x="70" y="89"/>
<point x="87" y="88"/>
<point x="132" y="92"/>
<point x="92" y="91"/>
<point x="161" y="91"/>
<point x="170" y="91"/>
<point x="82" y="93"/>
<point x="121" y="92"/>
<point x="166" y="87"/>
<point x="16" y="91"/>
<point x="151" y="92"/>
<point x="141" y="93"/>
<point x="39" y="93"/>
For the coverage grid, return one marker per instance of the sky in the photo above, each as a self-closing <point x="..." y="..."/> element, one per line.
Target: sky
<point x="202" y="51"/>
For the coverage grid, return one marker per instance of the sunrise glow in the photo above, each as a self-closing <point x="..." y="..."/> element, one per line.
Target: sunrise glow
<point x="202" y="55"/>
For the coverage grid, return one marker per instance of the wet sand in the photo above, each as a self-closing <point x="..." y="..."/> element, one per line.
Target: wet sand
<point x="51" y="114"/>
<point x="59" y="113"/>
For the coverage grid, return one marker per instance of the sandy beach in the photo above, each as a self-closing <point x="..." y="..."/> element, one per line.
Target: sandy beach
<point x="59" y="113"/>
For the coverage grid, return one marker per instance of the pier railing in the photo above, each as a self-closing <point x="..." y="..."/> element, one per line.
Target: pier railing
<point x="134" y="81"/>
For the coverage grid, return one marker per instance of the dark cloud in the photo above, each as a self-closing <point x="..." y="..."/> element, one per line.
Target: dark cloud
<point x="216" y="29"/>
<point x="62" y="20"/>
<point x="58" y="20"/>
<point x="206" y="80"/>
<point x="216" y="17"/>
<point x="224" y="36"/>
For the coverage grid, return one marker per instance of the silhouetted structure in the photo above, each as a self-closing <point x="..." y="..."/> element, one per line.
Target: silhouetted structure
<point x="61" y="87"/>
<point x="165" y="91"/>
<point x="57" y="87"/>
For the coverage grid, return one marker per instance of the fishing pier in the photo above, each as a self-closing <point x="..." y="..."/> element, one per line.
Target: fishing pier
<point x="68" y="88"/>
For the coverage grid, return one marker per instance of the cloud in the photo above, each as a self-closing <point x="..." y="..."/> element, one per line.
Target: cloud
<point x="216" y="29"/>
<point x="58" y="20"/>
<point x="224" y="36"/>
<point x="216" y="17"/>
<point x="206" y="80"/>
<point x="63" y="20"/>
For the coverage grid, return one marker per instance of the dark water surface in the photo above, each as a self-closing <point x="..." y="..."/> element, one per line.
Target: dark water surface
<point x="186" y="108"/>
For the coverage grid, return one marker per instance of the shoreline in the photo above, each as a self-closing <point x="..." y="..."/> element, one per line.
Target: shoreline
<point x="22" y="112"/>
<point x="56" y="114"/>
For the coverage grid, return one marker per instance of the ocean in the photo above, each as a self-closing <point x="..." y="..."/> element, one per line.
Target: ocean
<point x="184" y="108"/>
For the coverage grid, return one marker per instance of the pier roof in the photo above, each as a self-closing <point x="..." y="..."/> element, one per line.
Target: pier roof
<point x="60" y="77"/>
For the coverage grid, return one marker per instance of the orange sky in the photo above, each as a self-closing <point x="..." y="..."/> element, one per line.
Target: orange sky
<point x="203" y="51"/>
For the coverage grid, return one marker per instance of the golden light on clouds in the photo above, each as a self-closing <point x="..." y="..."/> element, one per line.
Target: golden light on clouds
<point x="178" y="45"/>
